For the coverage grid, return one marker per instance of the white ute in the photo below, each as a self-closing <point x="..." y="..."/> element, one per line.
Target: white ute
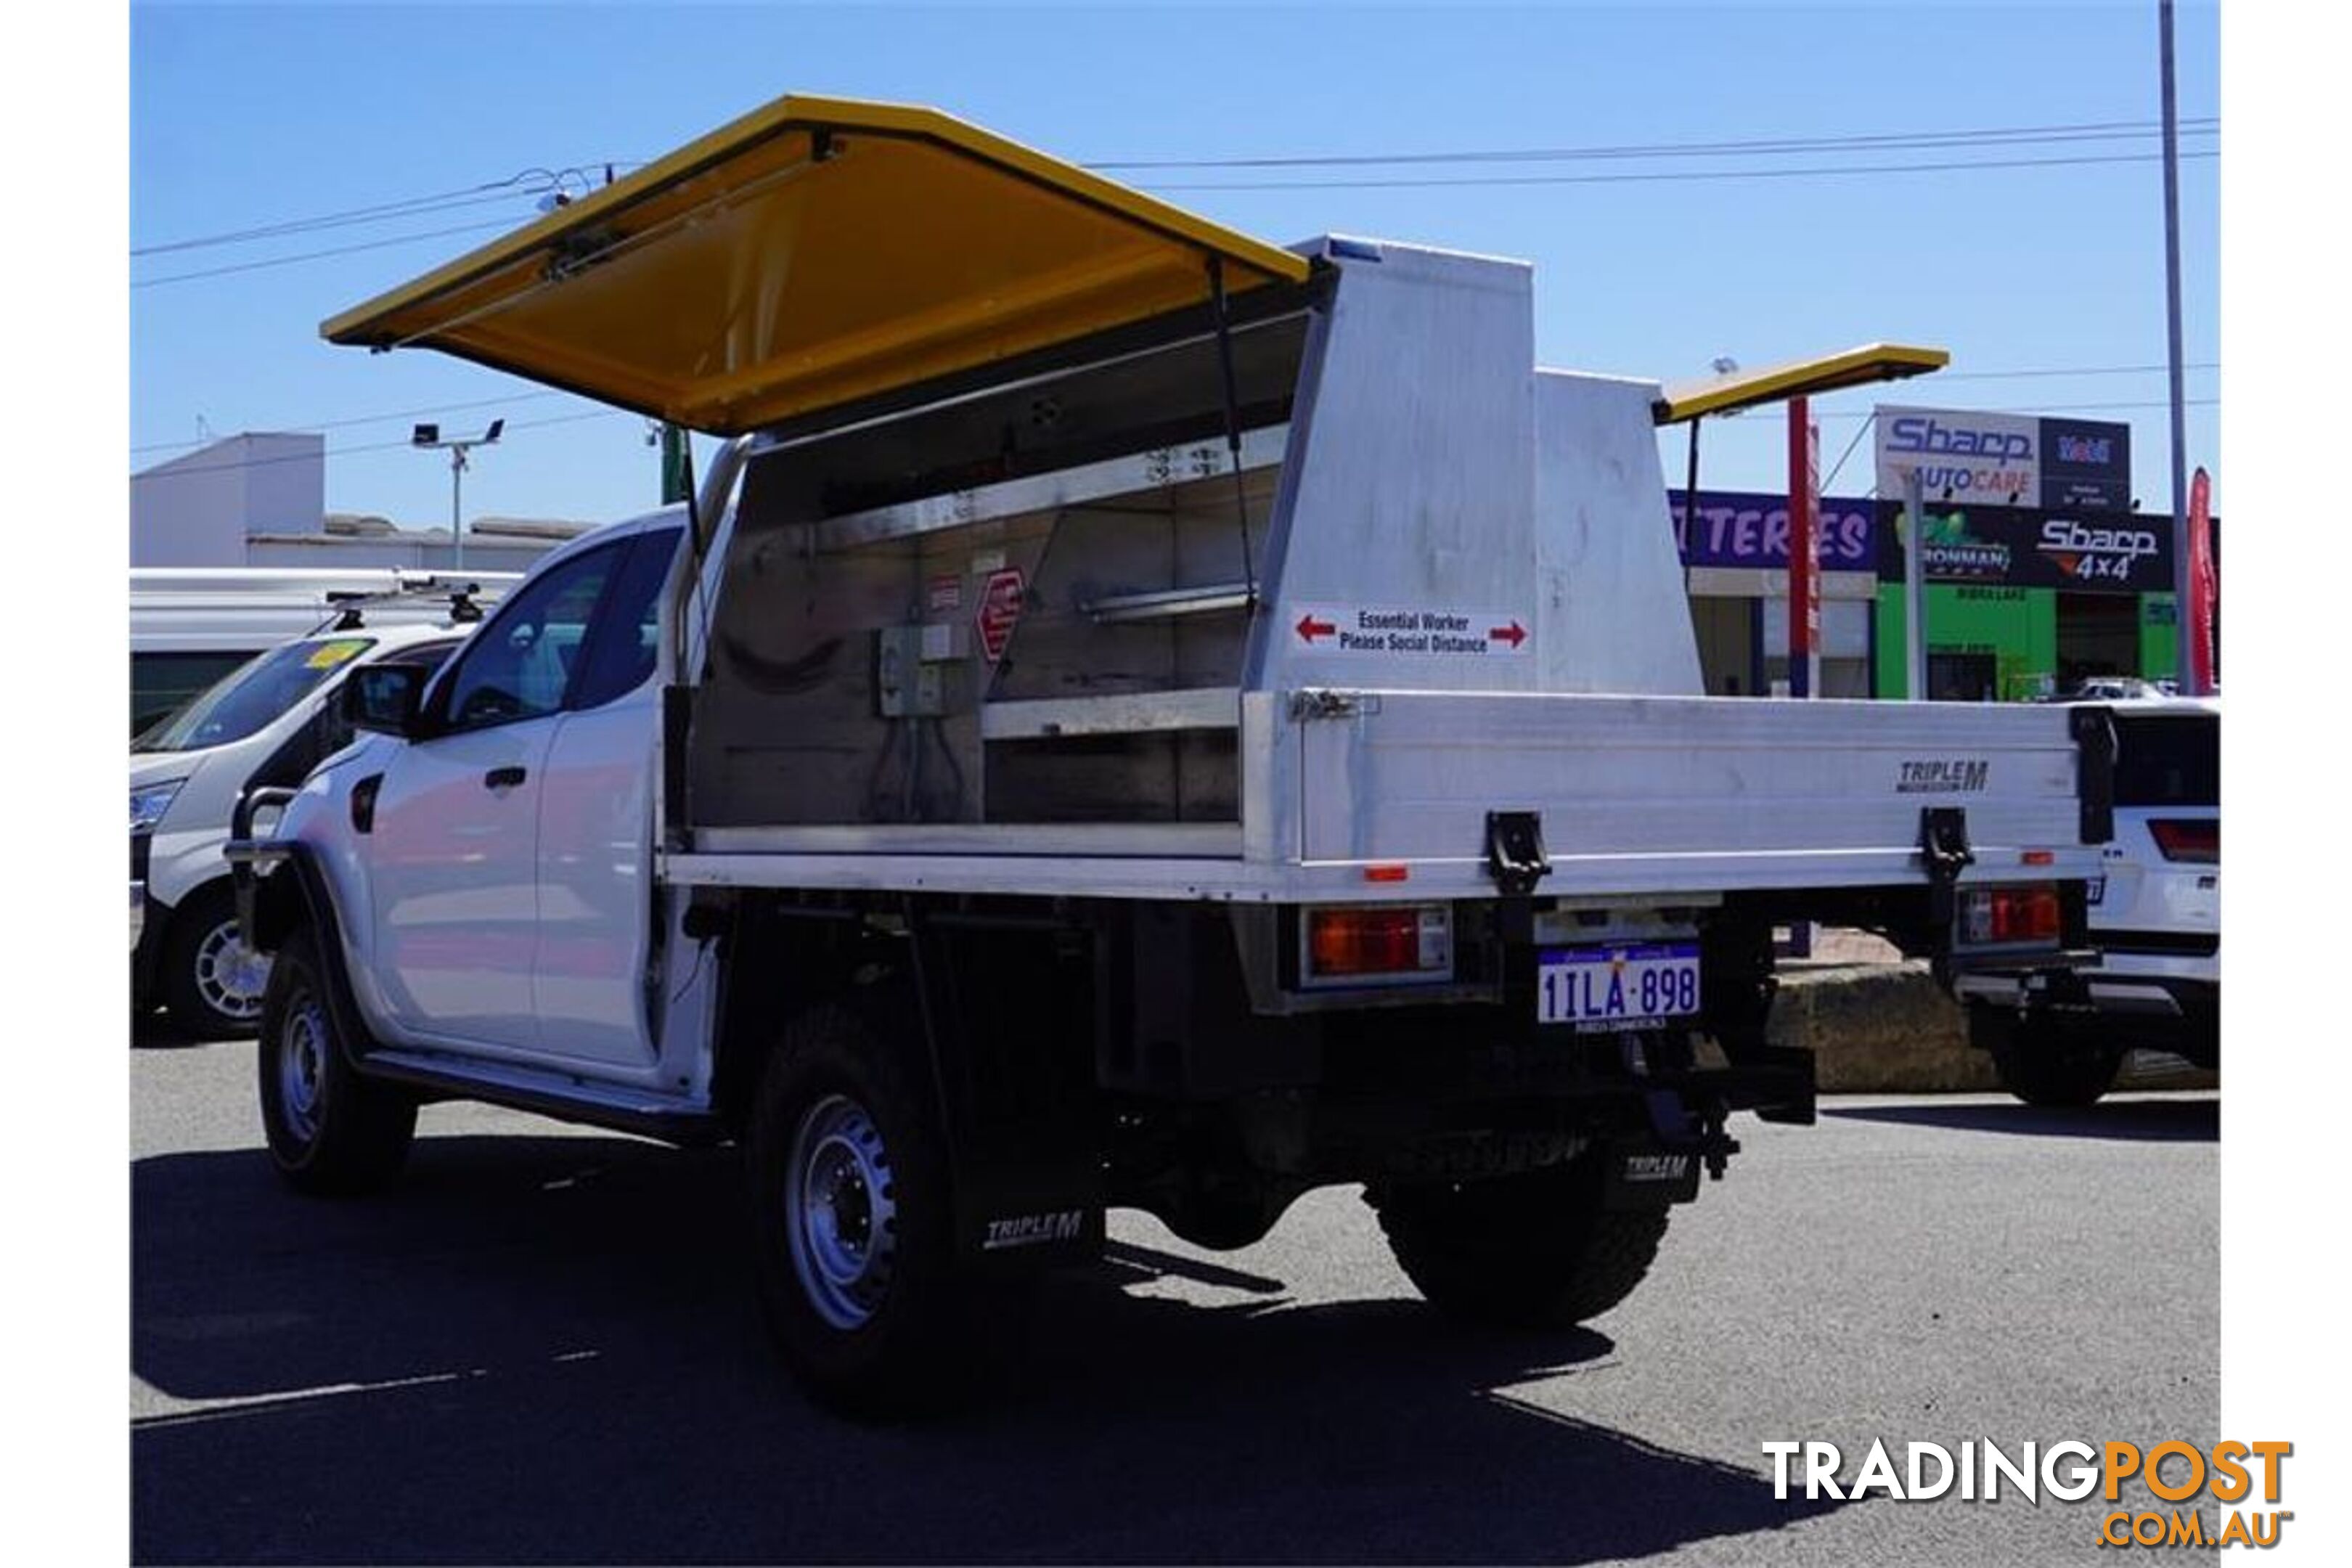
<point x="1134" y="716"/>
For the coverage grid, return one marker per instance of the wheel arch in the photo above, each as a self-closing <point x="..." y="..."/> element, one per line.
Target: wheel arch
<point x="294" y="896"/>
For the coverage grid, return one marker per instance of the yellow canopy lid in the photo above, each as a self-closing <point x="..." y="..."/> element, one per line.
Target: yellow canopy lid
<point x="813" y="252"/>
<point x="1799" y="378"/>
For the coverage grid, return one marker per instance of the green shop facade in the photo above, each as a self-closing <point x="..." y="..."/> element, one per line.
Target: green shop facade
<point x="2025" y="601"/>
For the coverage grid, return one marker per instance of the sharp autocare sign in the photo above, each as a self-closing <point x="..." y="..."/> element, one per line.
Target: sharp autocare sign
<point x="1376" y="631"/>
<point x="1963" y="456"/>
<point x="1000" y="609"/>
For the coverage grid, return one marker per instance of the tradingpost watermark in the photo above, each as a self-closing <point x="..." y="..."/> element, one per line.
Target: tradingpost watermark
<point x="2174" y="1473"/>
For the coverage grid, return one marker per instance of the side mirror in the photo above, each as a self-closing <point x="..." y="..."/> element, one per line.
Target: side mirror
<point x="386" y="699"/>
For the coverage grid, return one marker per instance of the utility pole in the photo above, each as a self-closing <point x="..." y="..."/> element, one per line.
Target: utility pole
<point x="2184" y="670"/>
<point x="676" y="473"/>
<point x="427" y="438"/>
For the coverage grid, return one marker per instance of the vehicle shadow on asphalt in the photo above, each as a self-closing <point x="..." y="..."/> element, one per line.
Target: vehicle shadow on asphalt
<point x="155" y="1032"/>
<point x="541" y="1349"/>
<point x="2136" y="1120"/>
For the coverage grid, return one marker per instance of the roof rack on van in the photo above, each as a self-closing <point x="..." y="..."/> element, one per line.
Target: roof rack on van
<point x="351" y="604"/>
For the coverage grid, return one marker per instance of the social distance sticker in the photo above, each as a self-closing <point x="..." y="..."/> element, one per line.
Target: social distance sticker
<point x="1405" y="630"/>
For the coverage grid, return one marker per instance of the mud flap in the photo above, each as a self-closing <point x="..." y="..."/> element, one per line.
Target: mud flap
<point x="1648" y="1175"/>
<point x="1663" y="1168"/>
<point x="1013" y="1215"/>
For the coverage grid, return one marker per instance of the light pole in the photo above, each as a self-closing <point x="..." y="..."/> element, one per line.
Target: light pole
<point x="427" y="438"/>
<point x="2184" y="667"/>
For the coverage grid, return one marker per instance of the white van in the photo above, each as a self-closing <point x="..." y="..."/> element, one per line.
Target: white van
<point x="268" y="722"/>
<point x="190" y="625"/>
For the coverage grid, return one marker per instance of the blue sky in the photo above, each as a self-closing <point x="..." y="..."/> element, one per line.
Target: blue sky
<point x="245" y="116"/>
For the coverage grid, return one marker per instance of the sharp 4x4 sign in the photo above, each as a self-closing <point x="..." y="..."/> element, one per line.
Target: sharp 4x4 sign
<point x="1964" y="458"/>
<point x="2034" y="547"/>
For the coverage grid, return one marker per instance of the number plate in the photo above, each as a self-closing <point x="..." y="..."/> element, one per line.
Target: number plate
<point x="1605" y="988"/>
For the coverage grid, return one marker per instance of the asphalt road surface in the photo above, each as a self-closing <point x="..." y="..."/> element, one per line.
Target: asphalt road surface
<point x="541" y="1347"/>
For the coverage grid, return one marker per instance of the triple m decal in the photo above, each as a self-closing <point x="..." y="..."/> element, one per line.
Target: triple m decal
<point x="2094" y="553"/>
<point x="1033" y="1229"/>
<point x="1943" y="776"/>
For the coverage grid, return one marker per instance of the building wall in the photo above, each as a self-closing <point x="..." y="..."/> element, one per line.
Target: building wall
<point x="196" y="510"/>
<point x="2017" y="627"/>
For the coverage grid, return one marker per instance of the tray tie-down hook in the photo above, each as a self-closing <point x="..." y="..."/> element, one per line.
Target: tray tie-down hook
<point x="1515" y="851"/>
<point x="1944" y="846"/>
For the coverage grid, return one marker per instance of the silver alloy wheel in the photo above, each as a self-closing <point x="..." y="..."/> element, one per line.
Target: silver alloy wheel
<point x="231" y="976"/>
<point x="841" y="1213"/>
<point x="302" y="1046"/>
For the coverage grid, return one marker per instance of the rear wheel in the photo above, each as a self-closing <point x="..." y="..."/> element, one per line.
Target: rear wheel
<point x="1536" y="1250"/>
<point x="2044" y="1063"/>
<point x="214" y="985"/>
<point x="850" y="1216"/>
<point x="329" y="1130"/>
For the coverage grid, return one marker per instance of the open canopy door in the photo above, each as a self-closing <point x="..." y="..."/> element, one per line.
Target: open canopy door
<point x="813" y="253"/>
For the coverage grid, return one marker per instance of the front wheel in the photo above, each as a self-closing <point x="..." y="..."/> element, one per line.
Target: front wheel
<point x="329" y="1130"/>
<point x="851" y="1227"/>
<point x="213" y="985"/>
<point x="1536" y="1250"/>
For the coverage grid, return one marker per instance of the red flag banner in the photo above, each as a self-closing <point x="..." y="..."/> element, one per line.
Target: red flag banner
<point x="2204" y="589"/>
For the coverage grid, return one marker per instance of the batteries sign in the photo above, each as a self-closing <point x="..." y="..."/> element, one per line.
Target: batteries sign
<point x="1388" y="631"/>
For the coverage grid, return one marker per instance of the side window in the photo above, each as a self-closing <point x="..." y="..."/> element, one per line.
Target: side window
<point x="628" y="631"/>
<point x="521" y="661"/>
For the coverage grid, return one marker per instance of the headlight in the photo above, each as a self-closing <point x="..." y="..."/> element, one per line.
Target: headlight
<point x="150" y="801"/>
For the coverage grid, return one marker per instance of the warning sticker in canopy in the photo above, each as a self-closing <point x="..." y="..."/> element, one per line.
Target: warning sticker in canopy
<point x="1394" y="631"/>
<point x="1000" y="609"/>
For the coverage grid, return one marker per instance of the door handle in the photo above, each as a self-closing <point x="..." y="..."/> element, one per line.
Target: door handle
<point x="503" y="778"/>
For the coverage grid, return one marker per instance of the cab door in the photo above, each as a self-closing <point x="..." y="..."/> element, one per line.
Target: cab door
<point x="455" y="862"/>
<point x="595" y="852"/>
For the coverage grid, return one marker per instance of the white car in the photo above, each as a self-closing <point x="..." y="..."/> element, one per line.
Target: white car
<point x="192" y="625"/>
<point x="2155" y="917"/>
<point x="269" y="721"/>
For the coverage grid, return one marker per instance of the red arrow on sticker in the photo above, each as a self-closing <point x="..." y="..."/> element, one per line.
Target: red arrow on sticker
<point x="1311" y="628"/>
<point x="1514" y="634"/>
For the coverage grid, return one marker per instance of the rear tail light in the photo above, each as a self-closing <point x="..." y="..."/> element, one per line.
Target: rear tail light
<point x="2197" y="842"/>
<point x="1382" y="943"/>
<point x="1995" y="917"/>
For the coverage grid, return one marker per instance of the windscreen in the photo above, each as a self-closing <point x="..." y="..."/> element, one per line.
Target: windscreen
<point x="2168" y="761"/>
<point x="249" y="700"/>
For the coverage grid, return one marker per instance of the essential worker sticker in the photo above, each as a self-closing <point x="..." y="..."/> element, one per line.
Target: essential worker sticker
<point x="1372" y="630"/>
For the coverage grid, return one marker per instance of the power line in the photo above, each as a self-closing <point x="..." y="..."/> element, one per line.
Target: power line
<point x="310" y="428"/>
<point x="2042" y="409"/>
<point x="2062" y="369"/>
<point x="1674" y="175"/>
<point x="1658" y="176"/>
<point x="390" y="415"/>
<point x="321" y="255"/>
<point x="507" y="189"/>
<point x="1839" y="467"/>
<point x="541" y="180"/>
<point x="2112" y="130"/>
<point x="378" y="446"/>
